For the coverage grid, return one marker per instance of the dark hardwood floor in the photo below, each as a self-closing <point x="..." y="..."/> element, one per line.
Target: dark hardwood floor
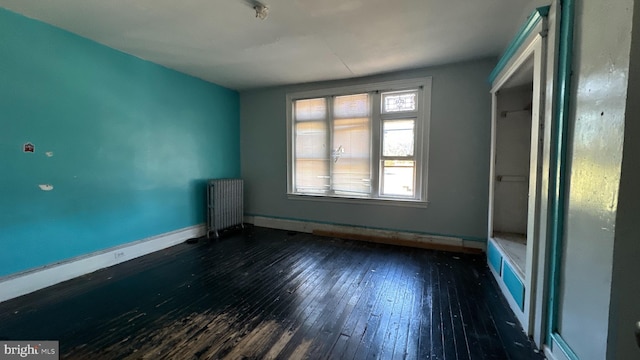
<point x="270" y="294"/>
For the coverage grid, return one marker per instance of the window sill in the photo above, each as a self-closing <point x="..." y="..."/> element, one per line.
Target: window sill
<point x="360" y="201"/>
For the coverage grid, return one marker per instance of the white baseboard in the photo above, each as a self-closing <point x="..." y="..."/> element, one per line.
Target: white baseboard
<point x="506" y="294"/>
<point x="549" y="354"/>
<point x="29" y="281"/>
<point x="309" y="227"/>
<point x="555" y="352"/>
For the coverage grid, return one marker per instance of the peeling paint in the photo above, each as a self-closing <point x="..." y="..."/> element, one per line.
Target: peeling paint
<point x="49" y="153"/>
<point x="277" y="348"/>
<point x="45" y="187"/>
<point x="251" y="345"/>
<point x="301" y="351"/>
<point x="28" y="147"/>
<point x="204" y="335"/>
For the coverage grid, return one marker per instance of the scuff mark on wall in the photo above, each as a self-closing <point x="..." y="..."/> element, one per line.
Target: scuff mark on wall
<point x="45" y="187"/>
<point x="49" y="153"/>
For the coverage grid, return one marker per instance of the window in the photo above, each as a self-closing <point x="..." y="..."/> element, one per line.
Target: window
<point x="361" y="142"/>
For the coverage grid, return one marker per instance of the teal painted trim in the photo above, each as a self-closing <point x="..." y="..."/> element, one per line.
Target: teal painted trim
<point x="465" y="238"/>
<point x="514" y="284"/>
<point x="494" y="257"/>
<point x="524" y="32"/>
<point x="564" y="347"/>
<point x="558" y="176"/>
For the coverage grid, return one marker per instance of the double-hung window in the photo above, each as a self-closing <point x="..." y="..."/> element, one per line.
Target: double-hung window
<point x="360" y="142"/>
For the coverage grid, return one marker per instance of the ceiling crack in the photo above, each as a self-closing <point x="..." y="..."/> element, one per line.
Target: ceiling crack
<point x="339" y="58"/>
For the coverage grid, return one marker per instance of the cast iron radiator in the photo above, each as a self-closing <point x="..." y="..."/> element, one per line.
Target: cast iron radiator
<point x="225" y="205"/>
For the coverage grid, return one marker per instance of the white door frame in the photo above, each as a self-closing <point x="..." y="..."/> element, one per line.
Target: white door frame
<point x="534" y="48"/>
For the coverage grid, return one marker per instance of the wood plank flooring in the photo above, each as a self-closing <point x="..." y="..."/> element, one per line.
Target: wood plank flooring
<point x="271" y="294"/>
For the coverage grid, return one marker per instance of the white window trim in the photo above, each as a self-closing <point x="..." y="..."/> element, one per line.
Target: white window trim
<point x="422" y="134"/>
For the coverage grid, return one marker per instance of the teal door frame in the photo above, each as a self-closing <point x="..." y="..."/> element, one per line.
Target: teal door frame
<point x="558" y="175"/>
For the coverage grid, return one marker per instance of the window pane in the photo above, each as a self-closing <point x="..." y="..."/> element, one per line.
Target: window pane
<point x="339" y="149"/>
<point x="312" y="157"/>
<point x="398" y="137"/>
<point x="399" y="101"/>
<point x="310" y="109"/>
<point x="351" y="156"/>
<point x="351" y="145"/>
<point x="311" y="140"/>
<point x="311" y="176"/>
<point x="398" y="178"/>
<point x="351" y="106"/>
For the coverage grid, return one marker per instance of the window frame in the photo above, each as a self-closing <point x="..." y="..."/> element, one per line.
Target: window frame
<point x="421" y="139"/>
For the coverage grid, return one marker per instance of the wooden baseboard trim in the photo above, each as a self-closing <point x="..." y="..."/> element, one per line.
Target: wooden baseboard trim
<point x="397" y="242"/>
<point x="393" y="237"/>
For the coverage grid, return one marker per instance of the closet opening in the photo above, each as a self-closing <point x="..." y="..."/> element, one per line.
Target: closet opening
<point x="512" y="166"/>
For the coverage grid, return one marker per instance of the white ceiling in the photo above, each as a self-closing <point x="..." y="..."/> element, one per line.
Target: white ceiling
<point x="301" y="40"/>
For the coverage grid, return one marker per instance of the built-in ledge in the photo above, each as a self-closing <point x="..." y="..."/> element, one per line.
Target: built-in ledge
<point x="514" y="247"/>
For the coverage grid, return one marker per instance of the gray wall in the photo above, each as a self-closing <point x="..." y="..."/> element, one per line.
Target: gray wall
<point x="625" y="292"/>
<point x="458" y="164"/>
<point x="598" y="96"/>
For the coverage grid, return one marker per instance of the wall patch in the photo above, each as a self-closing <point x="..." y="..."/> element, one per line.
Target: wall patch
<point x="28" y="148"/>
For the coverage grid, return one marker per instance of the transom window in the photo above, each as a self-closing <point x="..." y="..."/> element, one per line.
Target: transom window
<point x="362" y="142"/>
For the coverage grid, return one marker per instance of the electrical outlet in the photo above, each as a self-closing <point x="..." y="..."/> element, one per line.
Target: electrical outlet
<point x="118" y="255"/>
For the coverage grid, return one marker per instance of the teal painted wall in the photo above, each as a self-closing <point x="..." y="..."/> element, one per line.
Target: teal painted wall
<point x="132" y="144"/>
<point x="513" y="283"/>
<point x="494" y="257"/>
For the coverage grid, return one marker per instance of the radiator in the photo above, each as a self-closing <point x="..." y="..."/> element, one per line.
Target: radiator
<point x="225" y="205"/>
